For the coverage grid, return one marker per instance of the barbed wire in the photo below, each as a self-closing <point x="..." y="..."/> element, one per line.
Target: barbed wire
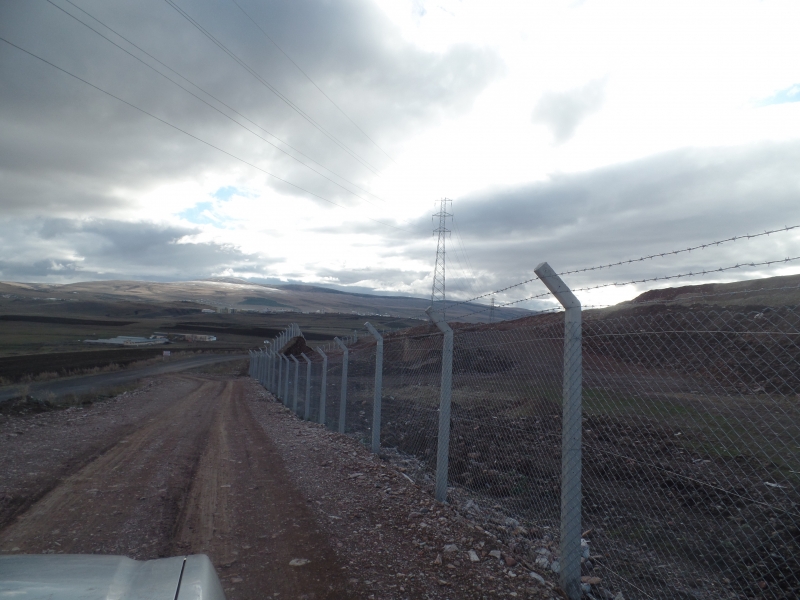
<point x="673" y="252"/>
<point x="663" y="278"/>
<point x="632" y="260"/>
<point x="689" y="274"/>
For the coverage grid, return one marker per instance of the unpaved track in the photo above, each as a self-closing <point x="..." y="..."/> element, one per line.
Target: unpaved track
<point x="199" y="476"/>
<point x="85" y="384"/>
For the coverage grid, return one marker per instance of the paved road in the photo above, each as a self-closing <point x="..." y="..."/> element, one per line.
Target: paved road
<point x="86" y="383"/>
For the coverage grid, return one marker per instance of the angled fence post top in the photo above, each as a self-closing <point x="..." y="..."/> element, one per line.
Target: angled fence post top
<point x="295" y="359"/>
<point x="437" y="320"/>
<point x="556" y="286"/>
<point x="303" y="354"/>
<point x="374" y="332"/>
<point x="320" y="351"/>
<point x="341" y="344"/>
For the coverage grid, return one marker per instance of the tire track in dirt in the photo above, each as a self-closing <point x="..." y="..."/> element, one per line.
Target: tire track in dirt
<point x="244" y="512"/>
<point x="35" y="467"/>
<point x="127" y="500"/>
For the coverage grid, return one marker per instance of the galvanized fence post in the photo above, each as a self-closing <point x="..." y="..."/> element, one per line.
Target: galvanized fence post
<point x="445" y="395"/>
<point x="343" y="396"/>
<point x="307" y="406"/>
<point x="376" y="404"/>
<point x="296" y="377"/>
<point x="265" y="371"/>
<point x="570" y="571"/>
<point x="323" y="385"/>
<point x="270" y="368"/>
<point x="270" y="364"/>
<point x="280" y="375"/>
<point x="286" y="381"/>
<point x="262" y="368"/>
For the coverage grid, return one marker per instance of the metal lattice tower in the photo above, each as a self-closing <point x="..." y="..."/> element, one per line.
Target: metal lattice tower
<point x="438" y="289"/>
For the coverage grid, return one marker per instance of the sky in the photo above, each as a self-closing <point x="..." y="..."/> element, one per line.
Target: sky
<point x="310" y="140"/>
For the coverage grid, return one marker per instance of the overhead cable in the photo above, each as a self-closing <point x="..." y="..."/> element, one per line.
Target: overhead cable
<point x="208" y="103"/>
<point x="270" y="87"/>
<point x="183" y="131"/>
<point x="314" y="83"/>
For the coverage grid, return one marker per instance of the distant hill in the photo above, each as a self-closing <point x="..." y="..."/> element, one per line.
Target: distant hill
<point x="771" y="291"/>
<point x="241" y="295"/>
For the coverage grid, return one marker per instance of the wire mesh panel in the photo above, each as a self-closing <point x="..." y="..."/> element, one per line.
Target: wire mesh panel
<point x="692" y="451"/>
<point x="506" y="431"/>
<point x="690" y="441"/>
<point x="360" y="390"/>
<point x="411" y="376"/>
<point x="333" y="389"/>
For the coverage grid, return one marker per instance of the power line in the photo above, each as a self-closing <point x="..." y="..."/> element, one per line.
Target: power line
<point x="274" y="43"/>
<point x="208" y="103"/>
<point x="202" y="141"/>
<point x="270" y="87"/>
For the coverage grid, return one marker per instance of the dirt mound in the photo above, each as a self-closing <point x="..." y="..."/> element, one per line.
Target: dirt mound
<point x="25" y="405"/>
<point x="297" y="347"/>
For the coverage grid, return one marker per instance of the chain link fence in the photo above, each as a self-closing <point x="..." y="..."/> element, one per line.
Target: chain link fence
<point x="689" y="442"/>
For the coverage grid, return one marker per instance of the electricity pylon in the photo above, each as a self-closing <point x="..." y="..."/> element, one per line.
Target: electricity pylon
<point x="438" y="290"/>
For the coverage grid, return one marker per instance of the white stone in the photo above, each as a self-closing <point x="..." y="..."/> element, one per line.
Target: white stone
<point x="537" y="577"/>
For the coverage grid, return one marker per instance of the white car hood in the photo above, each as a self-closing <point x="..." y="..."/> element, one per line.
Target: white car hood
<point x="97" y="577"/>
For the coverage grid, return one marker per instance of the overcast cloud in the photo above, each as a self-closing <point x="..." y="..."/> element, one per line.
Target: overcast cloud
<point x="578" y="133"/>
<point x="562" y="112"/>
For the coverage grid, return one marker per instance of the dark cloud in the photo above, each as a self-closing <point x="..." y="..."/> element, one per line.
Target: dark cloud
<point x="66" y="146"/>
<point x="70" y="250"/>
<point x="670" y="201"/>
<point x="562" y="112"/>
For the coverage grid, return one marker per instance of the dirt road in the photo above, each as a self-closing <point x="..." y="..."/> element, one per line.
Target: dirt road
<point x="199" y="477"/>
<point x="209" y="464"/>
<point x="86" y="383"/>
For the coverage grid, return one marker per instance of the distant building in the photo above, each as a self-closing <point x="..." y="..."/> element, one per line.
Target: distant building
<point x="208" y="310"/>
<point x="130" y="340"/>
<point x="193" y="337"/>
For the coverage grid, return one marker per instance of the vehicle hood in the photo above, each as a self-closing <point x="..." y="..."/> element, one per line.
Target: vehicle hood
<point x="97" y="577"/>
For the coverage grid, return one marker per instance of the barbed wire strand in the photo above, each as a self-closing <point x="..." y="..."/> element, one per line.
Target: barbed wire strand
<point x="663" y="278"/>
<point x="632" y="260"/>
